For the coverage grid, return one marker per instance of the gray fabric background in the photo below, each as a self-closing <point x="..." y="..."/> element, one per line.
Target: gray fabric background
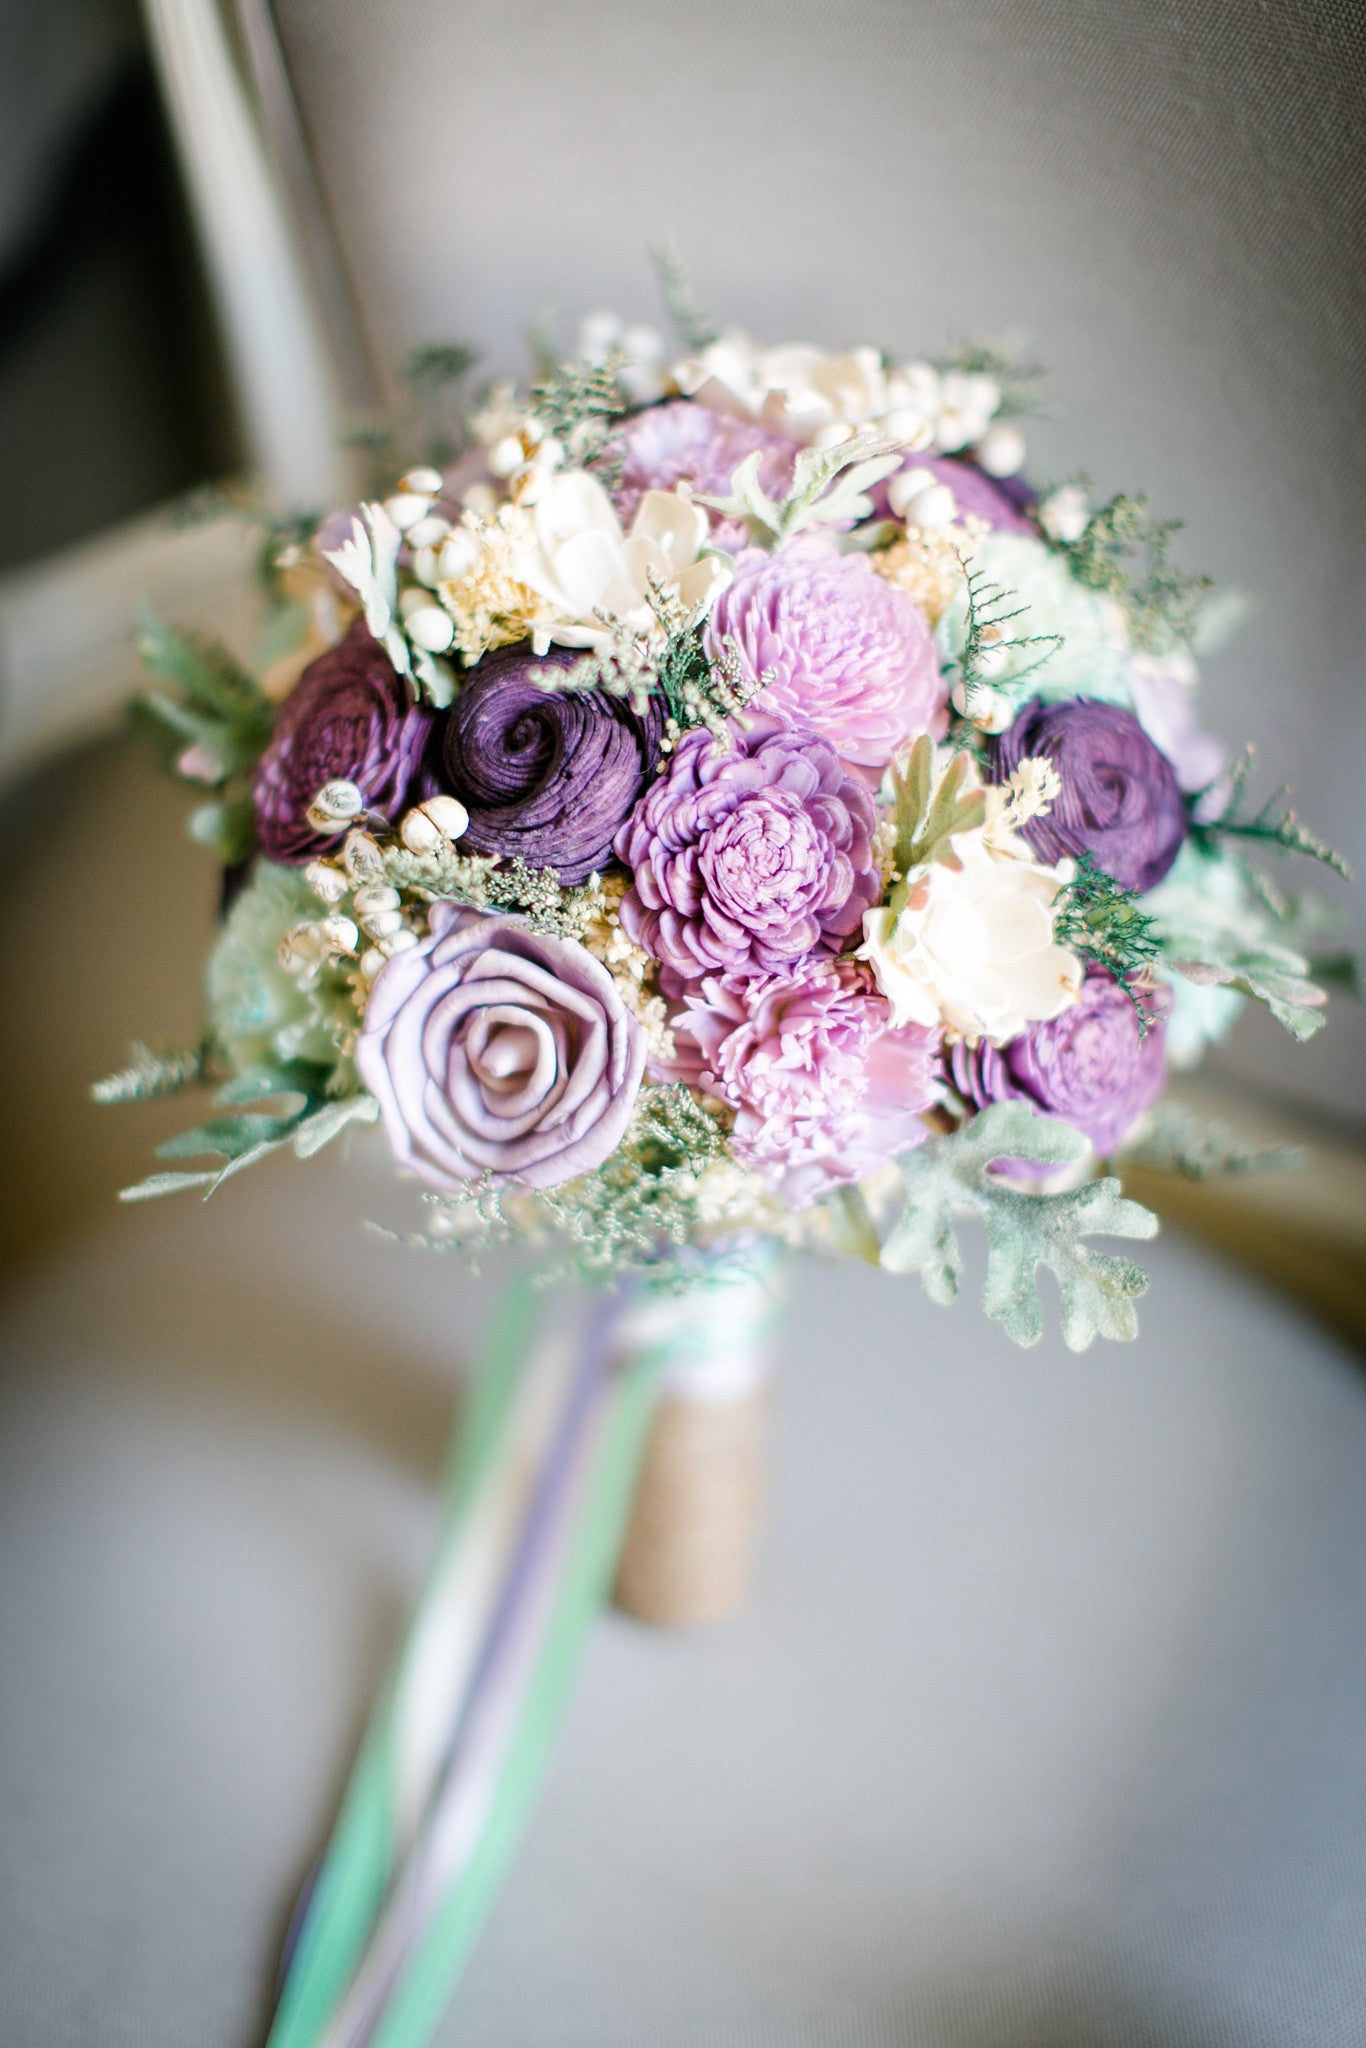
<point x="1044" y="1729"/>
<point x="1166" y="198"/>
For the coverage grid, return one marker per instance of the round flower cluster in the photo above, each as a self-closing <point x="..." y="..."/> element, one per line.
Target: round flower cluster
<point x="739" y="734"/>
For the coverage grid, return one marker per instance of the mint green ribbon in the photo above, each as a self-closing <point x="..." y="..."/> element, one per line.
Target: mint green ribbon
<point x="537" y="1491"/>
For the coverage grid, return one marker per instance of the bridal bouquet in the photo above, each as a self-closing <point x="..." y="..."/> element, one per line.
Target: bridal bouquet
<point x="729" y="804"/>
<point x="718" y="804"/>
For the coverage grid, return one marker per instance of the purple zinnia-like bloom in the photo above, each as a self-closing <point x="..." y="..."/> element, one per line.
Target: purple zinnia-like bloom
<point x="683" y="443"/>
<point x="851" y="655"/>
<point x="999" y="502"/>
<point x="547" y="774"/>
<point x="823" y="1089"/>
<point x="1120" y="801"/>
<point x="495" y="1049"/>
<point x="348" y="718"/>
<point x="1090" y="1066"/>
<point x="747" y="860"/>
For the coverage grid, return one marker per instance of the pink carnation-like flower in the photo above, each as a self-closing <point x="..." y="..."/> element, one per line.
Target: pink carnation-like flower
<point x="683" y="443"/>
<point x="851" y="655"/>
<point x="823" y="1089"/>
<point x="746" y="859"/>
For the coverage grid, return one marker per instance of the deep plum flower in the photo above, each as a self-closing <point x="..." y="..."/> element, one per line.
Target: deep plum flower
<point x="494" y="1049"/>
<point x="349" y="717"/>
<point x="682" y="443"/>
<point x="1120" y="801"/>
<point x="851" y="655"/>
<point x="1090" y="1066"/>
<point x="546" y="774"/>
<point x="823" y="1089"/>
<point x="750" y="858"/>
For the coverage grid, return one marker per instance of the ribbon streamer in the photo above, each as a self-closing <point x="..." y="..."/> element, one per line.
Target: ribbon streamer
<point x="537" y="1492"/>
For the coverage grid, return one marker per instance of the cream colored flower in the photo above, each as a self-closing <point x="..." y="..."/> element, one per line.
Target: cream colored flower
<point x="794" y="390"/>
<point x="972" y="948"/>
<point x="555" y="566"/>
<point x="804" y="393"/>
<point x="587" y="572"/>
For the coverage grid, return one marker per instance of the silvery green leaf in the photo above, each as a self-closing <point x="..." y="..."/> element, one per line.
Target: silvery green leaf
<point x="326" y="1123"/>
<point x="952" y="1176"/>
<point x="436" y="677"/>
<point x="1171" y="1139"/>
<point x="230" y="1136"/>
<point x="165" y="1184"/>
<point x="1271" y="975"/>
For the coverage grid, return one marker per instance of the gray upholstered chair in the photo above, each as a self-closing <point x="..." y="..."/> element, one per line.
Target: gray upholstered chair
<point x="1045" y="1724"/>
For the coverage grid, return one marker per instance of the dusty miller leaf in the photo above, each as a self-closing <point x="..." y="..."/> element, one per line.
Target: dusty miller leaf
<point x="950" y="1177"/>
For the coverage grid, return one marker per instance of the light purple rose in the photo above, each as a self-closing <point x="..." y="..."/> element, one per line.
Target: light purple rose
<point x="494" y="1049"/>
<point x="823" y="1089"/>
<point x="683" y="443"/>
<point x="851" y="655"/>
<point x="1120" y="801"/>
<point x="747" y="860"/>
<point x="1090" y="1066"/>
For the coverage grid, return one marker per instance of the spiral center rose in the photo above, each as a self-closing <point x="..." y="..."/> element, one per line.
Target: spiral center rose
<point x="493" y="1049"/>
<point x="546" y="775"/>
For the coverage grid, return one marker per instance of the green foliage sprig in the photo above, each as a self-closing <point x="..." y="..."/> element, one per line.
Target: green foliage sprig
<point x="1126" y="552"/>
<point x="1174" y="1140"/>
<point x="989" y="612"/>
<point x="696" y="689"/>
<point x="484" y="882"/>
<point x="1101" y="922"/>
<point x="642" y="1202"/>
<point x="694" y="328"/>
<point x="578" y="403"/>
<point x="829" y="486"/>
<point x="153" y="1073"/>
<point x="206" y="702"/>
<point x="929" y="812"/>
<point x="242" y="1139"/>
<point x="1274" y="825"/>
<point x="1024" y="1230"/>
<point x="1016" y="374"/>
<point x="426" y="424"/>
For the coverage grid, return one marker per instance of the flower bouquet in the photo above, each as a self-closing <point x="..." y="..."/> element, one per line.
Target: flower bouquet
<point x="717" y="806"/>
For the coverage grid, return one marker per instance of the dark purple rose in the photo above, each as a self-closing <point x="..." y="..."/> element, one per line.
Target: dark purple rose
<point x="546" y="774"/>
<point x="494" y="1049"/>
<point x="744" y="861"/>
<point x="1120" y="801"/>
<point x="1090" y="1067"/>
<point x="348" y="718"/>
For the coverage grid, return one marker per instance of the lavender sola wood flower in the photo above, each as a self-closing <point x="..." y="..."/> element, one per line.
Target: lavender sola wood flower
<point x="1119" y="801"/>
<point x="351" y="718"/>
<point x="546" y="775"/>
<point x="496" y="1050"/>
<point x="682" y="443"/>
<point x="844" y="651"/>
<point x="746" y="860"/>
<point x="1096" y="1067"/>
